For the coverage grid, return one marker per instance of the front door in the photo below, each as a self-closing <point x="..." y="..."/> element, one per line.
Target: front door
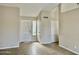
<point x="25" y="30"/>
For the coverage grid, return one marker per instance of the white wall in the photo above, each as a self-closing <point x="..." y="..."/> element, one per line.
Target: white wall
<point x="54" y="16"/>
<point x="26" y="10"/>
<point x="9" y="27"/>
<point x="31" y="9"/>
<point x="69" y="30"/>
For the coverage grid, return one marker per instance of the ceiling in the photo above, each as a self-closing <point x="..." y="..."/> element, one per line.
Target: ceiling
<point x="31" y="9"/>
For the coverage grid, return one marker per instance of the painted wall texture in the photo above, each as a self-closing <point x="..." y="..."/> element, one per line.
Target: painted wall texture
<point x="9" y="27"/>
<point x="69" y="30"/>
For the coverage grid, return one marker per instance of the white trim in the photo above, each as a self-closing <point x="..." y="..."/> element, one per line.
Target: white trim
<point x="9" y="47"/>
<point x="69" y="49"/>
<point x="27" y="41"/>
<point x="45" y="42"/>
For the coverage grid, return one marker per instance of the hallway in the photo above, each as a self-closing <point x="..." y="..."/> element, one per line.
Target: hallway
<point x="36" y="48"/>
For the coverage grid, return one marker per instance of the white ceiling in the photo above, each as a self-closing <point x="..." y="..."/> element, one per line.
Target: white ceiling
<point x="31" y="9"/>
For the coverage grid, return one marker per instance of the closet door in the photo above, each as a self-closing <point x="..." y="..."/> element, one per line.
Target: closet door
<point x="45" y="31"/>
<point x="9" y="24"/>
<point x="25" y="30"/>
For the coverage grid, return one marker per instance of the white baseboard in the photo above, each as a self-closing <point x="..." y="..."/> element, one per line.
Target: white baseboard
<point x="69" y="49"/>
<point x="9" y="47"/>
<point x="45" y="42"/>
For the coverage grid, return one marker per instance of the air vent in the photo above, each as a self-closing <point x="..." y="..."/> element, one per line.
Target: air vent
<point x="45" y="17"/>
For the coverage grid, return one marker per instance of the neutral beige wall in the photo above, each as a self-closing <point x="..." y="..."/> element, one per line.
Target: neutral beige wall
<point x="9" y="25"/>
<point x="69" y="30"/>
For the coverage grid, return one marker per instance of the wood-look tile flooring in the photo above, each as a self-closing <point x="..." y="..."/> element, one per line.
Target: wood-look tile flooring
<point x="35" y="48"/>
